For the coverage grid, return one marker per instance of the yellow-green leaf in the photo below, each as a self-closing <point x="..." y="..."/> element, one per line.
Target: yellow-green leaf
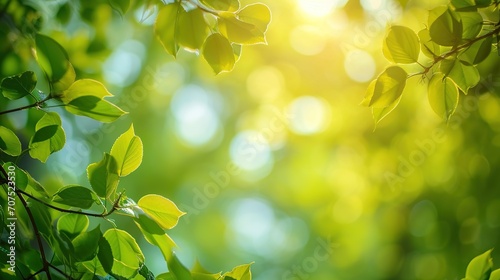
<point x="388" y="87"/>
<point x="127" y="150"/>
<point x="193" y="29"/>
<point x="9" y="143"/>
<point x="48" y="138"/>
<point x="443" y="95"/>
<point x="127" y="256"/>
<point x="241" y="272"/>
<point x="380" y="113"/>
<point x="445" y="27"/>
<point x="18" y="86"/>
<point x="429" y="48"/>
<point x="464" y="75"/>
<point x="257" y="14"/>
<point x="480" y="267"/>
<point x="162" y="210"/>
<point x="166" y="27"/>
<point x="103" y="176"/>
<point x="222" y="5"/>
<point x="52" y="57"/>
<point x="240" y="32"/>
<point x="219" y="54"/>
<point x="401" y="45"/>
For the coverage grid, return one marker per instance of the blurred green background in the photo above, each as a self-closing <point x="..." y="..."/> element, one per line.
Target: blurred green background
<point x="276" y="162"/>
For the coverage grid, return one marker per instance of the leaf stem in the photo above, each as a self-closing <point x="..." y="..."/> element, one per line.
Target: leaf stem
<point x="36" y="104"/>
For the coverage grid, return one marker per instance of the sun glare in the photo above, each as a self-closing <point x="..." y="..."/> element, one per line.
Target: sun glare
<point x="319" y="8"/>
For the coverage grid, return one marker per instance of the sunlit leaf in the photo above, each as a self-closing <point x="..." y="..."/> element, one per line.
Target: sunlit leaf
<point x="480" y="267"/>
<point x="241" y="272"/>
<point x="162" y="210"/>
<point x="495" y="275"/>
<point x="193" y="29"/>
<point x="86" y="244"/>
<point x="166" y="27"/>
<point x="48" y="138"/>
<point x="472" y="24"/>
<point x="72" y="224"/>
<point x="127" y="150"/>
<point x="477" y="52"/>
<point x="75" y="196"/>
<point x="9" y="143"/>
<point x="445" y="27"/>
<point x="18" y="86"/>
<point x="443" y="95"/>
<point x="429" y="48"/>
<point x="222" y="5"/>
<point x="464" y="75"/>
<point x="388" y="87"/>
<point x="52" y="57"/>
<point x="126" y="253"/>
<point x="380" y="113"/>
<point x="103" y="176"/>
<point x="219" y="54"/>
<point x="257" y="14"/>
<point x="155" y="235"/>
<point x="401" y="45"/>
<point x="179" y="271"/>
<point x="240" y="32"/>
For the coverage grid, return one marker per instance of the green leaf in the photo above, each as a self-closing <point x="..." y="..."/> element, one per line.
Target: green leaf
<point x="25" y="182"/>
<point x="74" y="196"/>
<point x="472" y="24"/>
<point x="144" y="272"/>
<point x="165" y="276"/>
<point x="64" y="82"/>
<point x="162" y="210"/>
<point x="166" y="28"/>
<point x="18" y="86"/>
<point x="429" y="48"/>
<point x="193" y="29"/>
<point x="21" y="177"/>
<point x="240" y="32"/>
<point x="463" y="4"/>
<point x="219" y="54"/>
<point x="241" y="272"/>
<point x="445" y="27"/>
<point x="401" y="45"/>
<point x="222" y="5"/>
<point x="85" y="98"/>
<point x="388" y="87"/>
<point x="155" y="235"/>
<point x="48" y="138"/>
<point x="480" y="267"/>
<point x="64" y="13"/>
<point x="86" y="244"/>
<point x="257" y="14"/>
<point x="495" y="275"/>
<point x="464" y="75"/>
<point x="72" y="224"/>
<point x="52" y="57"/>
<point x="179" y="271"/>
<point x="380" y="113"/>
<point x="120" y="5"/>
<point x="205" y="276"/>
<point x="478" y="51"/>
<point x="127" y="150"/>
<point x="105" y="255"/>
<point x="443" y="95"/>
<point x="103" y="176"/>
<point x="127" y="256"/>
<point x="9" y="143"/>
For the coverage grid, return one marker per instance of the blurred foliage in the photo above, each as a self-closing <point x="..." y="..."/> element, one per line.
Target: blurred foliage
<point x="275" y="162"/>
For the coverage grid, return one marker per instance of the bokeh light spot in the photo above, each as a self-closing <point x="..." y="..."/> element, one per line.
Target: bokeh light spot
<point x="309" y="115"/>
<point x="359" y="66"/>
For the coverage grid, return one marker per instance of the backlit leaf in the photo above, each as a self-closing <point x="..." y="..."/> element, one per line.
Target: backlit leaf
<point x="429" y="48"/>
<point x="72" y="224"/>
<point x="222" y="5"/>
<point x="241" y="272"/>
<point x="103" y="176"/>
<point x="86" y="244"/>
<point x="193" y="29"/>
<point x="48" y="138"/>
<point x="480" y="267"/>
<point x="219" y="54"/>
<point x="472" y="24"/>
<point x="166" y="27"/>
<point x="240" y="32"/>
<point x="9" y="143"/>
<point x="477" y="52"/>
<point x="257" y="14"/>
<point x="127" y="256"/>
<point x="52" y="57"/>
<point x="162" y="210"/>
<point x="388" y="87"/>
<point x="464" y="75"/>
<point x="443" y="95"/>
<point x="401" y="45"/>
<point x="127" y="150"/>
